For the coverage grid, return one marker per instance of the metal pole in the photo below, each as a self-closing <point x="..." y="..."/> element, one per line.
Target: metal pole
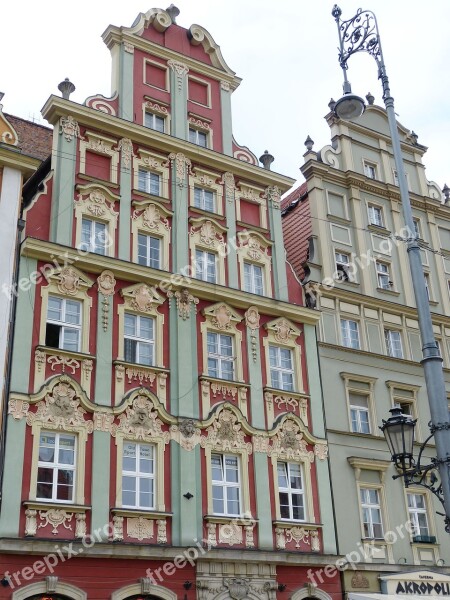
<point x="432" y="361"/>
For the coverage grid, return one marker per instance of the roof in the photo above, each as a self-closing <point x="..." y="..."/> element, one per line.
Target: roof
<point x="297" y="227"/>
<point x="34" y="140"/>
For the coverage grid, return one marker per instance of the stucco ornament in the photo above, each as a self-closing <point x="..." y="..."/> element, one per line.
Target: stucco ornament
<point x="30" y="522"/>
<point x="254" y="248"/>
<point x="140" y="528"/>
<point x="252" y="322"/>
<point x="69" y="281"/>
<point x="61" y="408"/>
<point x="184" y="299"/>
<point x="161" y="535"/>
<point x="273" y="195"/>
<point x="186" y="434"/>
<point x="80" y="525"/>
<point x="238" y="588"/>
<point x="230" y="186"/>
<point x="141" y="421"/>
<point x="142" y="299"/>
<point x="56" y="517"/>
<point x="222" y="317"/>
<point x="288" y="443"/>
<point x="126" y="147"/>
<point x="226" y="434"/>
<point x="282" y="331"/>
<point x="297" y="535"/>
<point x="117" y="528"/>
<point x="182" y="165"/>
<point x="321" y="451"/>
<point x="106" y="284"/>
<point x="69" y="128"/>
<point x="208" y="234"/>
<point x="151" y="218"/>
<point x="18" y="409"/>
<point x="180" y="69"/>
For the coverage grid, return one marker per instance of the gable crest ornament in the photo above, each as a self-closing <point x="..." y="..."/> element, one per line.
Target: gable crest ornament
<point x="69" y="281"/>
<point x="226" y="434"/>
<point x="289" y="443"/>
<point x="142" y="299"/>
<point x="141" y="421"/>
<point x="238" y="587"/>
<point x="152" y="218"/>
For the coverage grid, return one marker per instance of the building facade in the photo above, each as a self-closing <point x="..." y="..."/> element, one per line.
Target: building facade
<point x="353" y="264"/>
<point x="165" y="430"/>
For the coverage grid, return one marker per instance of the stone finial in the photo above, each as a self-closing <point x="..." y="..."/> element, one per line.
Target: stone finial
<point x="446" y="192"/>
<point x="173" y="13"/>
<point x="370" y="99"/>
<point x="1" y="95"/>
<point x="66" y="87"/>
<point x="309" y="143"/>
<point x="414" y="137"/>
<point x="266" y="159"/>
<point x="331" y="104"/>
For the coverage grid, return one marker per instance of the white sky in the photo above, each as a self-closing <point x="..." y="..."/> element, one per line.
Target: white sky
<point x="285" y="52"/>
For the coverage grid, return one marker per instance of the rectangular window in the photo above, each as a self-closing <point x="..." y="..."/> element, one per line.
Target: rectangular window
<point x="149" y="182"/>
<point x="139" y="342"/>
<point x="370" y="170"/>
<point x="350" y="333"/>
<point x="198" y="137"/>
<point x="393" y="343"/>
<point x="291" y="492"/>
<point x="417" y="509"/>
<point x="63" y="329"/>
<point x="56" y="467"/>
<point x="375" y="215"/>
<point x="417" y="228"/>
<point x="342" y="266"/>
<point x="93" y="236"/>
<point x="226" y="485"/>
<point x="138" y="475"/>
<point x="359" y="413"/>
<point x="253" y="278"/>
<point x="204" y="199"/>
<point x="149" y="251"/>
<point x="383" y="276"/>
<point x="371" y="513"/>
<point x="153" y="121"/>
<point x="220" y="356"/>
<point x="205" y="266"/>
<point x="426" y="277"/>
<point x="281" y="368"/>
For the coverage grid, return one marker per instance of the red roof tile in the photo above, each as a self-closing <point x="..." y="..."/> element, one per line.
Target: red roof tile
<point x="297" y="227"/>
<point x="34" y="140"/>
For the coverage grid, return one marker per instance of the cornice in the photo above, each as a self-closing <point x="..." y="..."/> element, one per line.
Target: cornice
<point x="11" y="157"/>
<point x="127" y="271"/>
<point x="57" y="107"/>
<point x="114" y="35"/>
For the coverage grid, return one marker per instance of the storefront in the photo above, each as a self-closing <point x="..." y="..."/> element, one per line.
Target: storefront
<point x="412" y="584"/>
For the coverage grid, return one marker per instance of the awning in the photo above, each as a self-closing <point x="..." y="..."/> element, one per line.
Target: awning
<point x="369" y="596"/>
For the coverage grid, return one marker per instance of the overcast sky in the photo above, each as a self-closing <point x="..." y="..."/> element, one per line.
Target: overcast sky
<point x="285" y="51"/>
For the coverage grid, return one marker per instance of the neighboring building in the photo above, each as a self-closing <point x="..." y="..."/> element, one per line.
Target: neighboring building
<point x="165" y="392"/>
<point x="340" y="229"/>
<point x="23" y="145"/>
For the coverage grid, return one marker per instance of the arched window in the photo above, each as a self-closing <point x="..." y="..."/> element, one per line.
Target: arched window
<point x="48" y="597"/>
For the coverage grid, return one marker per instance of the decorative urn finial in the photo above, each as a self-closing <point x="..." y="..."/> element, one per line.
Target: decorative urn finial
<point x="173" y="12"/>
<point x="66" y="87"/>
<point x="266" y="159"/>
<point x="309" y="143"/>
<point x="370" y="99"/>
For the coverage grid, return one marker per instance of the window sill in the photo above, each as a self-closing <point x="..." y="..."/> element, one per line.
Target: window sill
<point x="252" y="227"/>
<point x="385" y="291"/>
<point x="140" y="512"/>
<point x="51" y="504"/>
<point x="146" y="197"/>
<point x="285" y="523"/>
<point x="207" y="213"/>
<point x="337" y="219"/>
<point x="224" y="519"/>
<point x="106" y="182"/>
<point x="380" y="229"/>
<point x="224" y="382"/>
<point x="278" y="392"/>
<point x="49" y="350"/>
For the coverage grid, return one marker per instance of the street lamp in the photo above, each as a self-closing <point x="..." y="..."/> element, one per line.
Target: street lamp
<point x="360" y="34"/>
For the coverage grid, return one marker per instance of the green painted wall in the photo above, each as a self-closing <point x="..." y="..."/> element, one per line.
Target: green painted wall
<point x="263" y="506"/>
<point x="230" y="213"/>
<point x="63" y="190"/>
<point x="179" y="94"/>
<point x="125" y="211"/>
<point x="12" y="478"/>
<point x="278" y="254"/>
<point x="126" y="85"/>
<point x="186" y="477"/>
<point x="227" y="128"/>
<point x="101" y="456"/>
<point x="103" y="365"/>
<point x="255" y="380"/>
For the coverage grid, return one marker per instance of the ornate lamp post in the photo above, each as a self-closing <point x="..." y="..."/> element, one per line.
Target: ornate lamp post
<point x="360" y="34"/>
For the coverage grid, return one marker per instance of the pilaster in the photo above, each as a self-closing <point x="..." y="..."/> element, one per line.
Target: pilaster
<point x="64" y="163"/>
<point x="227" y="128"/>
<point x="179" y="95"/>
<point x="278" y="250"/>
<point x="100" y="501"/>
<point x="125" y="82"/>
<point x="230" y="213"/>
<point x="126" y="166"/>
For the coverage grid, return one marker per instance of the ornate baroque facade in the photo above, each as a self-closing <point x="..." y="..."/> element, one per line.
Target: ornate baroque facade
<point x="165" y="414"/>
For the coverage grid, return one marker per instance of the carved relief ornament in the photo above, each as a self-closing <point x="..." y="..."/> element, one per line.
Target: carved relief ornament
<point x="226" y="434"/>
<point x="152" y="219"/>
<point x="141" y="297"/>
<point x="183" y="166"/>
<point x="69" y="127"/>
<point x="184" y="299"/>
<point x="141" y="421"/>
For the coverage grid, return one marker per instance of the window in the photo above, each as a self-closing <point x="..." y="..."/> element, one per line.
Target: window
<point x="281" y="369"/>
<point x="342" y="266"/>
<point x="63" y="329"/>
<point x="393" y="343"/>
<point x="427" y="285"/>
<point x="253" y="278"/>
<point x="138" y="475"/>
<point x="375" y="215"/>
<point x="154" y="122"/>
<point x="93" y="236"/>
<point x="383" y="276"/>
<point x="204" y="199"/>
<point x="417" y="509"/>
<point x="350" y="333"/>
<point x="371" y="513"/>
<point x="417" y="228"/>
<point x="226" y="486"/>
<point x="139" y="339"/>
<point x="205" y="266"/>
<point x="220" y="356"/>
<point x="291" y="491"/>
<point x="149" y="251"/>
<point x="395" y="177"/>
<point x="370" y="170"/>
<point x="149" y="182"/>
<point x="198" y="137"/>
<point x="359" y="413"/>
<point x="56" y="467"/>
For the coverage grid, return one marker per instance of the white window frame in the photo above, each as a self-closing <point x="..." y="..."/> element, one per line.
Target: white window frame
<point x="202" y="259"/>
<point x="63" y="324"/>
<point x="251" y="280"/>
<point x="92" y="245"/>
<point x="390" y="349"/>
<point x="139" y="340"/>
<point x="222" y="359"/>
<point x="343" y="273"/>
<point x="57" y="466"/>
<point x="154" y="118"/>
<point x="370" y="169"/>
<point x="225" y="485"/>
<point x="365" y="503"/>
<point x="147" y="259"/>
<point x="280" y="369"/>
<point x="414" y="511"/>
<point x="384" y="277"/>
<point x="290" y="491"/>
<point x="139" y="475"/>
<point x="375" y="215"/>
<point x="349" y="340"/>
<point x="358" y="410"/>
<point x="148" y="181"/>
<point x="196" y="133"/>
<point x="201" y="196"/>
